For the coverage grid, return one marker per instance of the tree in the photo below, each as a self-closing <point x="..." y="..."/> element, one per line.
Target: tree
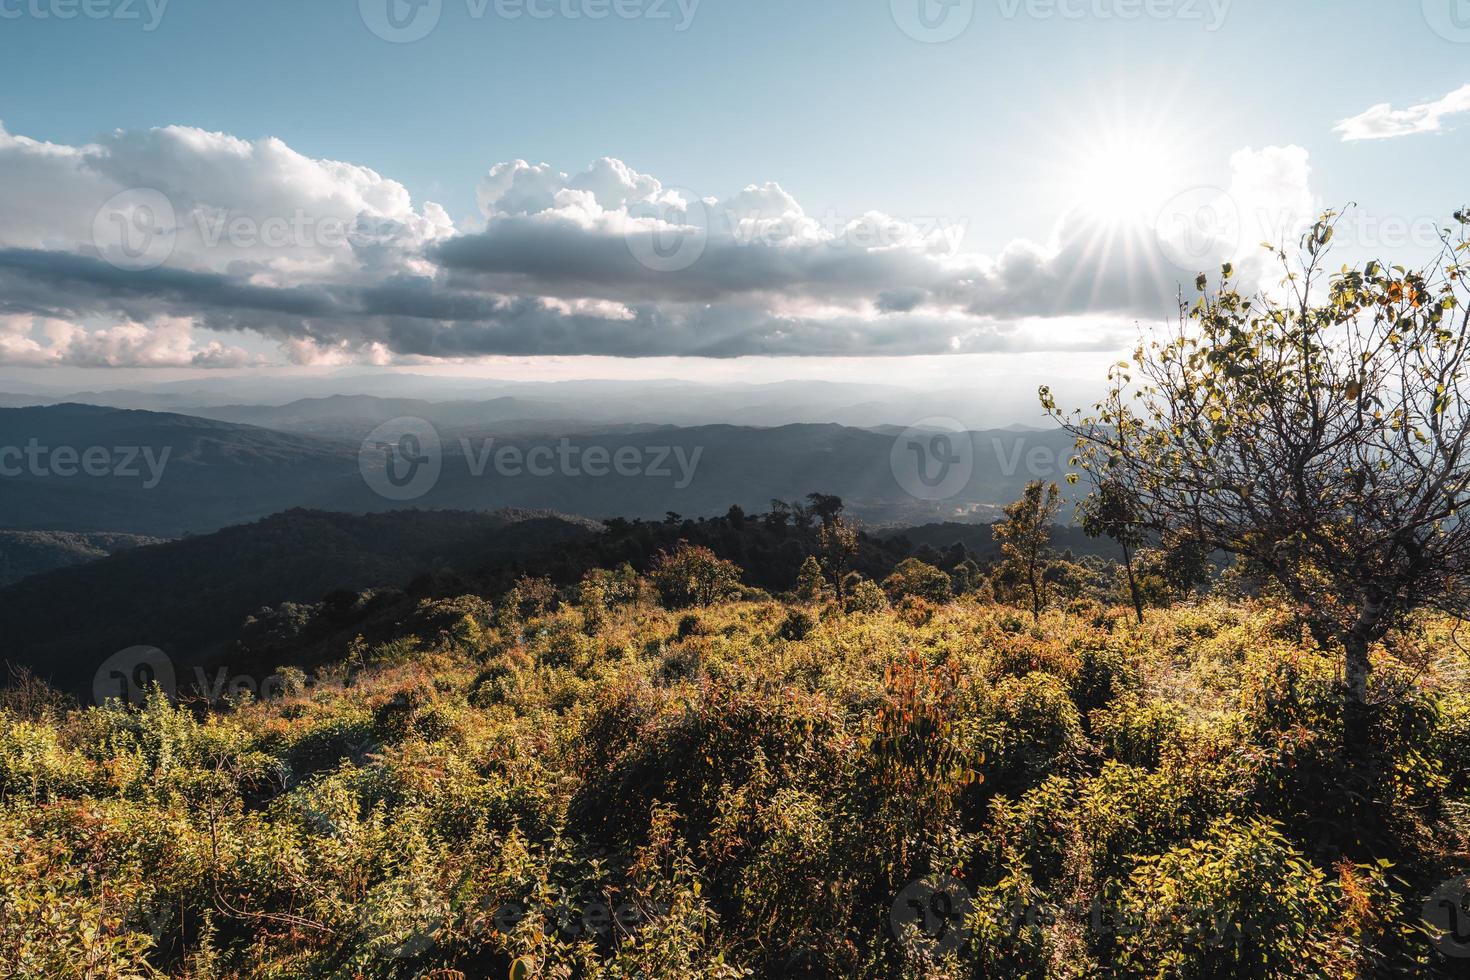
<point x="966" y="577"/>
<point x="1025" y="536"/>
<point x="838" y="541"/>
<point x="1186" y="562"/>
<point x="916" y="578"/>
<point x="1109" y="511"/>
<point x="693" y="576"/>
<point x="1323" y="437"/>
<point x="825" y="506"/>
<point x="811" y="585"/>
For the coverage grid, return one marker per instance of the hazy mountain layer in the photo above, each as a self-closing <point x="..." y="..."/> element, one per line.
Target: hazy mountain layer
<point x="86" y="468"/>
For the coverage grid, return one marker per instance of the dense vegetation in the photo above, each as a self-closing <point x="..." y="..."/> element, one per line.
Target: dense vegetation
<point x="582" y="782"/>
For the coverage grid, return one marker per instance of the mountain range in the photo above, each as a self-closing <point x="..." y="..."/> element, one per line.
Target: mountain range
<point x="996" y="403"/>
<point x="89" y="468"/>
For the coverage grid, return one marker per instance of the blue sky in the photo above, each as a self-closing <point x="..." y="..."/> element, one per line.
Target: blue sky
<point x="1001" y="132"/>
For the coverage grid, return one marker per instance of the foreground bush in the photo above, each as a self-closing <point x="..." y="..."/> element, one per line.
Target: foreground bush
<point x="747" y="789"/>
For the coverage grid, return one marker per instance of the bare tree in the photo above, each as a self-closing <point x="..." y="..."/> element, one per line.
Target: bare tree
<point x="1325" y="438"/>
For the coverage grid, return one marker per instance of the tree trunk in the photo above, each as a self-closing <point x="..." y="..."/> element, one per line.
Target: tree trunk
<point x="1132" y="585"/>
<point x="1035" y="592"/>
<point x="1356" y="668"/>
<point x="1364" y="632"/>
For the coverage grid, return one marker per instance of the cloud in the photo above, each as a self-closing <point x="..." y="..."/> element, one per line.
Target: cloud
<point x="1383" y="121"/>
<point x="165" y="342"/>
<point x="1273" y="189"/>
<point x="612" y="233"/>
<point x="149" y="230"/>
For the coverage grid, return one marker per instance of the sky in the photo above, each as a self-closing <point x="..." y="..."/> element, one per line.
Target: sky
<point x="914" y="190"/>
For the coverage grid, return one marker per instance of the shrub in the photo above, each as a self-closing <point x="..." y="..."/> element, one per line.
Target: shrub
<point x="915" y="611"/>
<point x="689" y="625"/>
<point x="615" y="587"/>
<point x="1452" y="743"/>
<point x="534" y="596"/>
<point x="1031" y="831"/>
<point x="1137" y="734"/>
<point x="797" y="625"/>
<point x="811" y="584"/>
<point x="35" y="765"/>
<point x="1241" y="902"/>
<point x="1102" y="674"/>
<point x="744" y="803"/>
<point x="866" y="597"/>
<point x="1036" y="731"/>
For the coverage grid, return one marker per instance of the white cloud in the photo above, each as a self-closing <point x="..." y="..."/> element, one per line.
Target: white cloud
<point x="29" y="341"/>
<point x="1383" y="121"/>
<point x="257" y="210"/>
<point x="1273" y="187"/>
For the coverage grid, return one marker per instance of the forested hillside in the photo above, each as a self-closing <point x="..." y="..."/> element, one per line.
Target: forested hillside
<point x="296" y="576"/>
<point x="191" y="596"/>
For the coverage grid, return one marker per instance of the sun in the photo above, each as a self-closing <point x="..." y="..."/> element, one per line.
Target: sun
<point x="1122" y="178"/>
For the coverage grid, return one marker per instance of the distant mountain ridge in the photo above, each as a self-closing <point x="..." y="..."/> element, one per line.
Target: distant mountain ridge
<point x="354" y="416"/>
<point x="88" y="468"/>
<point x="165" y="474"/>
<point x="668" y="401"/>
<point x="27" y="553"/>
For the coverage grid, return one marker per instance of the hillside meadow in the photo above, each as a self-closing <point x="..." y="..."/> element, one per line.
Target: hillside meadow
<point x="600" y="787"/>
